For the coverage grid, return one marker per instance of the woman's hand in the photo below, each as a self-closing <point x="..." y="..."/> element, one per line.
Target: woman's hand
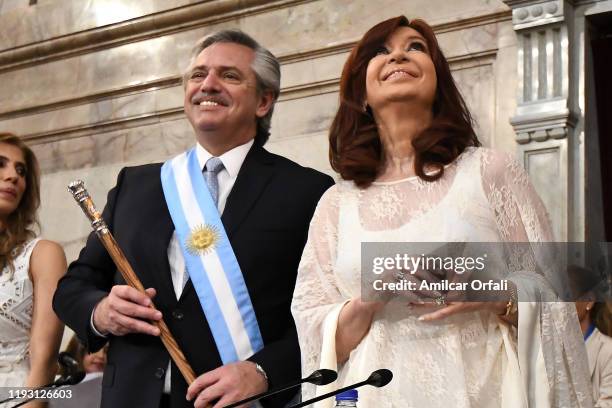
<point x="500" y="308"/>
<point x="354" y="323"/>
<point x="453" y="308"/>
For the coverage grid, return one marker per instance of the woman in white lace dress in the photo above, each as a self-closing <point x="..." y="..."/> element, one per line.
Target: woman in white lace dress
<point x="413" y="171"/>
<point x="30" y="332"/>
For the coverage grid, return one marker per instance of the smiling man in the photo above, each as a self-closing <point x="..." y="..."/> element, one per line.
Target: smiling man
<point x="216" y="235"/>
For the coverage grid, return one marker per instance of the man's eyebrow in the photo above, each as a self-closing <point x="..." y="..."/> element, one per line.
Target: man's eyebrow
<point x="219" y="68"/>
<point x="200" y="67"/>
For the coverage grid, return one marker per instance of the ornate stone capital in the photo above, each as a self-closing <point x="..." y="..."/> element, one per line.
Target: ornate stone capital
<point x="539" y="127"/>
<point x="532" y="13"/>
<point x="543" y="69"/>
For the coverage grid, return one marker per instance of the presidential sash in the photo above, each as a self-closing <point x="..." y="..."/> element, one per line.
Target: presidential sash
<point x="210" y="259"/>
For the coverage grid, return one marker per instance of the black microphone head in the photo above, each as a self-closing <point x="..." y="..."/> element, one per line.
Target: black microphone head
<point x="322" y="377"/>
<point x="380" y="378"/>
<point x="67" y="360"/>
<point x="75" y="378"/>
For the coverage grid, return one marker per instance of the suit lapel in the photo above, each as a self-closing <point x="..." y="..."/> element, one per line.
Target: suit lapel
<point x="255" y="173"/>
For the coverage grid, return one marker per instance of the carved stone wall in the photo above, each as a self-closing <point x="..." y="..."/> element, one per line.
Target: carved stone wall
<point x="95" y="85"/>
<point x="544" y="123"/>
<point x="557" y="145"/>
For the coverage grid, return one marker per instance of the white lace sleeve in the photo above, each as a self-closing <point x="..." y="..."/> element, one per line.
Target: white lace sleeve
<point x="547" y="331"/>
<point x="317" y="298"/>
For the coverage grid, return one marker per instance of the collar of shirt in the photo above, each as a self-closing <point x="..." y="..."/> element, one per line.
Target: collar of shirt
<point x="232" y="159"/>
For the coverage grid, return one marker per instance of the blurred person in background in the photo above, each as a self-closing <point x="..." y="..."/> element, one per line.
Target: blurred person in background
<point x="88" y="362"/>
<point x="88" y="392"/>
<point x="596" y="324"/>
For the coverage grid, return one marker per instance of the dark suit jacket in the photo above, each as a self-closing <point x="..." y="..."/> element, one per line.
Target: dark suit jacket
<point x="266" y="217"/>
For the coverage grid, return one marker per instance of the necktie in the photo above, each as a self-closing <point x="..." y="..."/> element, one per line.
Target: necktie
<point x="212" y="168"/>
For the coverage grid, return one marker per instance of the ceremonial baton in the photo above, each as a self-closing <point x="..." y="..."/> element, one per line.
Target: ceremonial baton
<point x="80" y="194"/>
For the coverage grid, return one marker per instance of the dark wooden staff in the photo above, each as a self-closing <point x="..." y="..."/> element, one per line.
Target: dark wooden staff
<point x="80" y="194"/>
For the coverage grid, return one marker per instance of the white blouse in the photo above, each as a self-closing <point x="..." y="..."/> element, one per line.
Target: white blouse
<point x="16" y="303"/>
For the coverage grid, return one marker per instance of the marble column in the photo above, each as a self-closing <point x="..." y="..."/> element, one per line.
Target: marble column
<point x="545" y="120"/>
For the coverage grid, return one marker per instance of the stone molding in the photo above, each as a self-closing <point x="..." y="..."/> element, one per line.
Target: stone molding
<point x="535" y="13"/>
<point x="145" y="86"/>
<point x="288" y="58"/>
<point x="104" y="126"/>
<point x="182" y="19"/>
<point x="138" y="29"/>
<point x="542" y="127"/>
<point x="543" y="103"/>
<point x="472" y="22"/>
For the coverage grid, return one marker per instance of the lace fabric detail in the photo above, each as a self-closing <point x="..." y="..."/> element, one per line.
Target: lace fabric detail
<point x="16" y="304"/>
<point x="483" y="196"/>
<point x="390" y="205"/>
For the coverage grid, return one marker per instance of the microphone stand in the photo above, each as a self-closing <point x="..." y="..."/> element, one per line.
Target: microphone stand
<point x="265" y="394"/>
<point x="378" y="378"/>
<point x="319" y="377"/>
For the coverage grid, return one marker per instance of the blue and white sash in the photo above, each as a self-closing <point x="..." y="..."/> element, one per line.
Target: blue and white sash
<point x="210" y="259"/>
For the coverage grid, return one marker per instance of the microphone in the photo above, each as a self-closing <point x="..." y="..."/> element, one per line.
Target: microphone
<point x="319" y="377"/>
<point x="378" y="378"/>
<point x="66" y="360"/>
<point x="72" y="379"/>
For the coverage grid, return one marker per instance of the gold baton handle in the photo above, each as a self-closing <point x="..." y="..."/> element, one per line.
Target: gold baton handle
<point x="80" y="194"/>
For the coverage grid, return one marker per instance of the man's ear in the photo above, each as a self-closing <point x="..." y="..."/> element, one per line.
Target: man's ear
<point x="265" y="104"/>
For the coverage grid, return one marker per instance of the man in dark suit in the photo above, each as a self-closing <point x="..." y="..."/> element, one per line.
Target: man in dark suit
<point x="265" y="201"/>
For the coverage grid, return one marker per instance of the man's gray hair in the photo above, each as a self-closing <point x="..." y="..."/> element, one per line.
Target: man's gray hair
<point x="265" y="65"/>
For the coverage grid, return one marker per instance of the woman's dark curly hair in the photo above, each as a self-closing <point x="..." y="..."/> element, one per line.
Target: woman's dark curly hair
<point x="355" y="149"/>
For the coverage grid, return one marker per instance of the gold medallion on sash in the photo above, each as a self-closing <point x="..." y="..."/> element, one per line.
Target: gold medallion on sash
<point x="202" y="239"/>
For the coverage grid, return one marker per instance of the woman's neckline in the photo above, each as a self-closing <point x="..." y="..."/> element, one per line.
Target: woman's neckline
<point x="414" y="177"/>
<point x="391" y="182"/>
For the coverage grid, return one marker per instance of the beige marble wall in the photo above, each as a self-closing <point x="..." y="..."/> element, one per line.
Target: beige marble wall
<point x="24" y="24"/>
<point x="95" y="85"/>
